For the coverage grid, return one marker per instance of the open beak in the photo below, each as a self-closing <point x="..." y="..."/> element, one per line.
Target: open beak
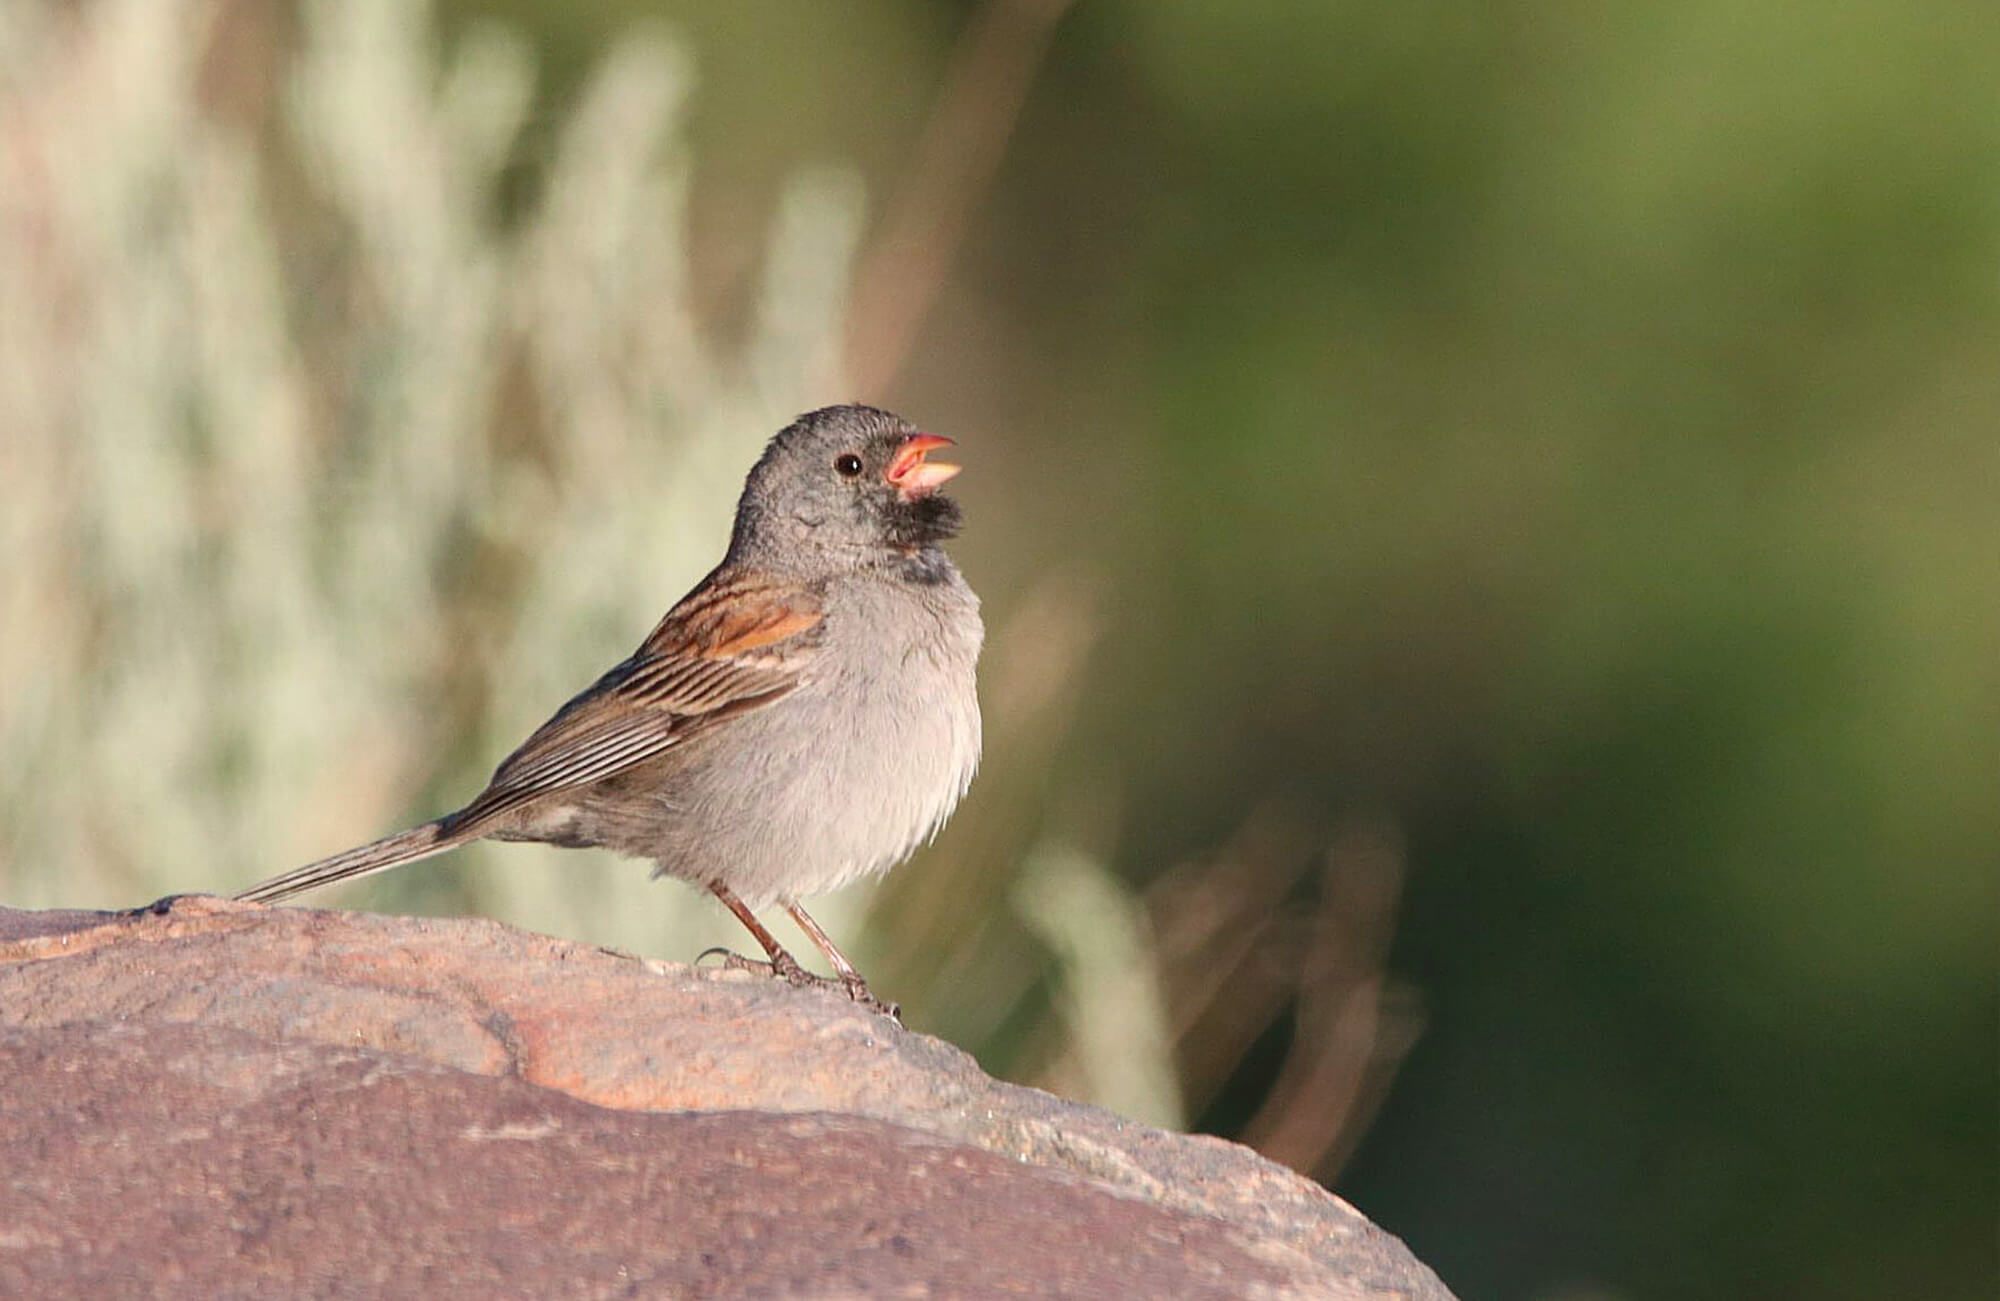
<point x="911" y="473"/>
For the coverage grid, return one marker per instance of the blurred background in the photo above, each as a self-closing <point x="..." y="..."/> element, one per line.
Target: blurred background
<point x="1486" y="515"/>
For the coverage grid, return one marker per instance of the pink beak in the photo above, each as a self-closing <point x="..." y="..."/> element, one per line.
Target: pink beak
<point x="911" y="473"/>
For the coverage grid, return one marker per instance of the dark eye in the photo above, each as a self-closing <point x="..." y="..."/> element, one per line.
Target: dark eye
<point x="848" y="464"/>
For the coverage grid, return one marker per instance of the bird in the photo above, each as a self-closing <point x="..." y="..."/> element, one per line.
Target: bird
<point x="805" y="717"/>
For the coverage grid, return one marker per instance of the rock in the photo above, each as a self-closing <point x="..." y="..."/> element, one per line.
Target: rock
<point x="212" y="1098"/>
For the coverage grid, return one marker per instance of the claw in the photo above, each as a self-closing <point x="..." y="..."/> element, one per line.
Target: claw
<point x="857" y="989"/>
<point x="734" y="961"/>
<point x="786" y="968"/>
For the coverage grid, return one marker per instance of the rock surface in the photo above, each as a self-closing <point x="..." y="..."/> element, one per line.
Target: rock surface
<point x="210" y="1098"/>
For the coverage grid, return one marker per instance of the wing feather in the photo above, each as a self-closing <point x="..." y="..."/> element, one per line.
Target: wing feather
<point x="737" y="642"/>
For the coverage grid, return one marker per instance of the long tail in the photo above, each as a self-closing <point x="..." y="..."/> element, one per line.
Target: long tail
<point x="380" y="856"/>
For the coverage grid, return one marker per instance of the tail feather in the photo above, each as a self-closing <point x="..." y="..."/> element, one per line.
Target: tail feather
<point x="378" y="856"/>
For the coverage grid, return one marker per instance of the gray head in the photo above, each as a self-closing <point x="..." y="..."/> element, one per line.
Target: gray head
<point x="844" y="488"/>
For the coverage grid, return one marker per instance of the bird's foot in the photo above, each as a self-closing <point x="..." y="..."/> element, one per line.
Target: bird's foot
<point x="857" y="989"/>
<point x="732" y="960"/>
<point x="786" y="968"/>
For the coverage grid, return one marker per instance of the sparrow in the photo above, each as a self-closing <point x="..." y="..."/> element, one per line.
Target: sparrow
<point x="805" y="717"/>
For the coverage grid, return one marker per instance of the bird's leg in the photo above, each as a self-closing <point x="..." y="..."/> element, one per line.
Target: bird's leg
<point x="782" y="963"/>
<point x="850" y="979"/>
<point x="787" y="967"/>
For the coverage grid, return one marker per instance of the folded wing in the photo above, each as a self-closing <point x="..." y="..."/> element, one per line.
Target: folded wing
<point x="738" y="642"/>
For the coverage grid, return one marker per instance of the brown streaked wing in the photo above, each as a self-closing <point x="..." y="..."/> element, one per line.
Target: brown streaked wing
<point x="729" y="616"/>
<point x="734" y="644"/>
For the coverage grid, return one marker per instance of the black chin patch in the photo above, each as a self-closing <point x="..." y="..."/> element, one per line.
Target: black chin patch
<point x="923" y="521"/>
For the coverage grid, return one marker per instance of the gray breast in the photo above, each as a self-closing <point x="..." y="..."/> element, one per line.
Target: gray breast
<point x="849" y="773"/>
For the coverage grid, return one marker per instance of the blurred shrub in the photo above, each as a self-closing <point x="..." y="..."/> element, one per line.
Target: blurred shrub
<point x="322" y="482"/>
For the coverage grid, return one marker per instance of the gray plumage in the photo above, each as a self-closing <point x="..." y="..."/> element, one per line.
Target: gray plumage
<point x="804" y="717"/>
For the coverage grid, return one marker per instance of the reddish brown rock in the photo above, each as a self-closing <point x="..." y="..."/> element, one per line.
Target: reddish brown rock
<point x="222" y="1098"/>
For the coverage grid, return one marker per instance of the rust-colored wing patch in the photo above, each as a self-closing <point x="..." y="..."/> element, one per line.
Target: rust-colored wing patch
<point x="777" y="626"/>
<point x="730" y="615"/>
<point x="734" y="644"/>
